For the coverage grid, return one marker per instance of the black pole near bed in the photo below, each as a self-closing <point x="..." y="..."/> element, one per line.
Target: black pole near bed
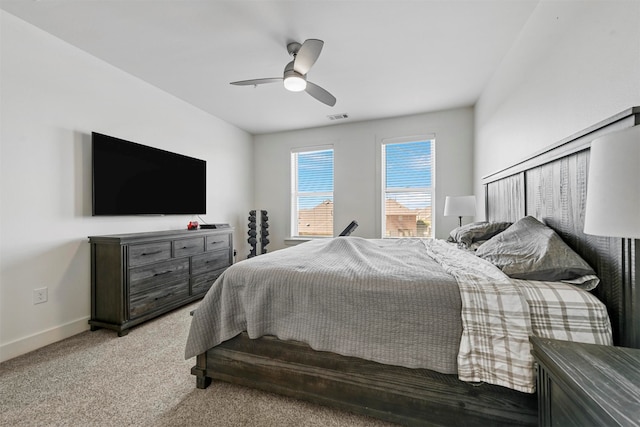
<point x="550" y="185"/>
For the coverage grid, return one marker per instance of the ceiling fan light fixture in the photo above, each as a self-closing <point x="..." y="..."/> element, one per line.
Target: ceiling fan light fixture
<point x="295" y="83"/>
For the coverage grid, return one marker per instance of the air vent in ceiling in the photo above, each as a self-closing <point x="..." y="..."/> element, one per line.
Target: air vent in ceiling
<point x="338" y="116"/>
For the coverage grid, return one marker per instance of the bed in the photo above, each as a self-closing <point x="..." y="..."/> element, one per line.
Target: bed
<point x="362" y="376"/>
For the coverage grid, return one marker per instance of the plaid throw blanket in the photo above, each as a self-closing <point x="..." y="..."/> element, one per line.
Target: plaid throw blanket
<point x="499" y="314"/>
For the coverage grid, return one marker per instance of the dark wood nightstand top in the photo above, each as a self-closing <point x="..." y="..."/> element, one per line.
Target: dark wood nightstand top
<point x="604" y="380"/>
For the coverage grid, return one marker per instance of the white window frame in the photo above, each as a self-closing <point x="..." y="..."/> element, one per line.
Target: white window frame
<point x="383" y="142"/>
<point x="294" y="188"/>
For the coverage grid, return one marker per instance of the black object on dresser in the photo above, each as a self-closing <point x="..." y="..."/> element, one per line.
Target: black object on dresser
<point x="136" y="277"/>
<point x="587" y="384"/>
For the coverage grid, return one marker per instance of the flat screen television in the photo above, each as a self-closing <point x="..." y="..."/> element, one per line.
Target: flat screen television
<point x="134" y="179"/>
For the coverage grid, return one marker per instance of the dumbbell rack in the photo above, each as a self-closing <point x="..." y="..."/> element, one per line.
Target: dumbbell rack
<point x="256" y="236"/>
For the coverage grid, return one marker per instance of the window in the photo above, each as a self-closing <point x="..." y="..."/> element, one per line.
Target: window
<point x="407" y="187"/>
<point x="312" y="193"/>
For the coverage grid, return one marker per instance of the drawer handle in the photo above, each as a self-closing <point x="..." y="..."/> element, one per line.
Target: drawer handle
<point x="163" y="273"/>
<point x="150" y="253"/>
<point x="217" y="241"/>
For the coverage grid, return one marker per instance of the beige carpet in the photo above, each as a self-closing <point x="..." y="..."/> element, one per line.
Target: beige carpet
<point x="142" y="379"/>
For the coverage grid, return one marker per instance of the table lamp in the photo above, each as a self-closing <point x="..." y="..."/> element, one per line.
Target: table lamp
<point x="460" y="206"/>
<point x="613" y="190"/>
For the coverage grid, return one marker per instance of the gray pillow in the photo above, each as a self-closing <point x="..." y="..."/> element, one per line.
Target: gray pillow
<point x="531" y="250"/>
<point x="467" y="234"/>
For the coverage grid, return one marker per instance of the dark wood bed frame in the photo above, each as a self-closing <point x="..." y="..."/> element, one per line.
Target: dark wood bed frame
<point x="550" y="185"/>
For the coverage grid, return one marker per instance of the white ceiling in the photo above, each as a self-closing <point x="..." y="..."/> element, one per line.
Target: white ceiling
<point x="380" y="58"/>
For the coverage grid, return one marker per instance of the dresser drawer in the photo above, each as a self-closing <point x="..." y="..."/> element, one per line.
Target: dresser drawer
<point x="148" y="253"/>
<point x="209" y="261"/>
<point x="200" y="284"/>
<point x="187" y="247"/>
<point x="159" y="296"/>
<point x="142" y="278"/>
<point x="216" y="242"/>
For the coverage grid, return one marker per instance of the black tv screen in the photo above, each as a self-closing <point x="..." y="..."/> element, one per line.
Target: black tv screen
<point x="134" y="179"/>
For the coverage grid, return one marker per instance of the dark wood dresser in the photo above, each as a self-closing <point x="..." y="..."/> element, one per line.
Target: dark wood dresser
<point x="586" y="384"/>
<point x="136" y="277"/>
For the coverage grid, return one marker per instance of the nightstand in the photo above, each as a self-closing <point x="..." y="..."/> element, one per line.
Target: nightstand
<point x="586" y="384"/>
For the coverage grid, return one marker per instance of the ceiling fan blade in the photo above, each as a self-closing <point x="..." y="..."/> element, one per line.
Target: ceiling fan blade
<point x="256" y="82"/>
<point x="320" y="94"/>
<point x="307" y="55"/>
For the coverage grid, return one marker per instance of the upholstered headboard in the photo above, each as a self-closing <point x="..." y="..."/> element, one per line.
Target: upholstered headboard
<point x="551" y="185"/>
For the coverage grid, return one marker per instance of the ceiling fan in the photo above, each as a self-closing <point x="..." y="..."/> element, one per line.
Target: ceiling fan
<point x="295" y="73"/>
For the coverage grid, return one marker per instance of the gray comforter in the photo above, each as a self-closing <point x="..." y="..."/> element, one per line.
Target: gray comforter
<point x="381" y="300"/>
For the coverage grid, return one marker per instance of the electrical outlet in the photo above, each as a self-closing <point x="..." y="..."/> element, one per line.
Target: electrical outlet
<point x="40" y="295"/>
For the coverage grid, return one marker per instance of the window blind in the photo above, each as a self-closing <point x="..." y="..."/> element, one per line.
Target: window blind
<point x="312" y="193"/>
<point x="408" y="188"/>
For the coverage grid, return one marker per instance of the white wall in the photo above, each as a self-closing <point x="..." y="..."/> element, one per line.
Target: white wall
<point x="574" y="64"/>
<point x="53" y="96"/>
<point x="356" y="160"/>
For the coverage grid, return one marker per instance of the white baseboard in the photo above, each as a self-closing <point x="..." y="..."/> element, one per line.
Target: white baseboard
<point x="33" y="342"/>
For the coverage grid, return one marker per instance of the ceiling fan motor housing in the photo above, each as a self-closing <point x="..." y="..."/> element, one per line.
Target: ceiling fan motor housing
<point x="293" y="48"/>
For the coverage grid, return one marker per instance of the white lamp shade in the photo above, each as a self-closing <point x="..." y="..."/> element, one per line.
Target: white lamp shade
<point x="613" y="192"/>
<point x="460" y="206"/>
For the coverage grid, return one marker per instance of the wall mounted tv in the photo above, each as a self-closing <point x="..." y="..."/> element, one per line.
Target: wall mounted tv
<point x="134" y="179"/>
